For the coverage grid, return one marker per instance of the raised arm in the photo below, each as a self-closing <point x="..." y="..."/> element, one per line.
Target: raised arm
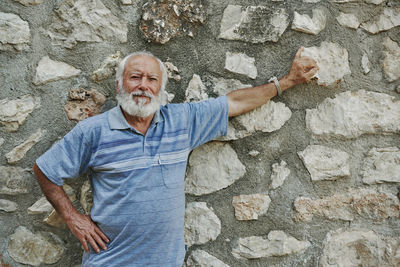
<point x="244" y="100"/>
<point x="80" y="225"/>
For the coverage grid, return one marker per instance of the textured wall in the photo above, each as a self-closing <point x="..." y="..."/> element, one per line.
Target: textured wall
<point x="311" y="178"/>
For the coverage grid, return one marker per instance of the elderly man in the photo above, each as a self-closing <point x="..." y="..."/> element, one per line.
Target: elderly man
<point x="137" y="153"/>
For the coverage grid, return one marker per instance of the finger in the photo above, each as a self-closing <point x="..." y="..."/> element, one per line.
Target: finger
<point x="99" y="241"/>
<point x="101" y="234"/>
<point x="93" y="244"/>
<point x="298" y="53"/>
<point x="84" y="245"/>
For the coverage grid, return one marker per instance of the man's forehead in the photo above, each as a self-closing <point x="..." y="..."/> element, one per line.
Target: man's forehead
<point x="143" y="62"/>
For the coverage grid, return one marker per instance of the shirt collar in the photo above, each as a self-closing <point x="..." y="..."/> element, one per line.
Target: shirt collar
<point x="117" y="120"/>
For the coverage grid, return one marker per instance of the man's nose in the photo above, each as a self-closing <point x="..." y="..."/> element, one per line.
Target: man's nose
<point x="143" y="83"/>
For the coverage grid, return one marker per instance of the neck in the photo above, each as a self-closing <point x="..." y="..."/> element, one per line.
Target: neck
<point x="141" y="124"/>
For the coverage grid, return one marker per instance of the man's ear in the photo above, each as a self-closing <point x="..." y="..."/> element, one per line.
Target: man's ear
<point x="116" y="84"/>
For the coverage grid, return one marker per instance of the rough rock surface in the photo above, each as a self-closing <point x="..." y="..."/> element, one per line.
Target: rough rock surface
<point x="325" y="163"/>
<point x="382" y="165"/>
<point x="365" y="64"/>
<point x="163" y="20"/>
<point x="50" y="70"/>
<point x="241" y="63"/>
<point x="391" y="61"/>
<point x="255" y="24"/>
<point x="212" y="167"/>
<point x="332" y="61"/>
<point x="348" y="20"/>
<point x="19" y="151"/>
<point x="108" y="67"/>
<point x="200" y="258"/>
<point x="351" y="114"/>
<point x="201" y="224"/>
<point x="8" y="206"/>
<point x="196" y="90"/>
<point x="367" y="203"/>
<point x="388" y="19"/>
<point x="34" y="249"/>
<point x="13" y="180"/>
<point x="359" y="247"/>
<point x="82" y="104"/>
<point x="14" y="32"/>
<point x="279" y="173"/>
<point x="86" y="198"/>
<point x="13" y="113"/>
<point x="277" y="244"/>
<point x="40" y="206"/>
<point x="249" y="207"/>
<point x="172" y="71"/>
<point x="314" y="25"/>
<point x="29" y="2"/>
<point x="85" y="21"/>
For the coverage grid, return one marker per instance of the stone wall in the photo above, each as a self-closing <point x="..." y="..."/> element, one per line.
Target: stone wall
<point x="309" y="179"/>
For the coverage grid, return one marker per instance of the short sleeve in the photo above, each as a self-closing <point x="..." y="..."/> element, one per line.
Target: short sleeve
<point x="68" y="158"/>
<point x="208" y="120"/>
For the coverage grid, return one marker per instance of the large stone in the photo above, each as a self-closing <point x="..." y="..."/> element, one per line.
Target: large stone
<point x="82" y="104"/>
<point x="40" y="206"/>
<point x="163" y="20"/>
<point x="108" y="67"/>
<point x="348" y="20"/>
<point x="8" y="206"/>
<point x="172" y="71"/>
<point x="382" y="165"/>
<point x="314" y="25"/>
<point x="14" y="32"/>
<point x="255" y="24"/>
<point x="332" y="61"/>
<point x="50" y="70"/>
<point x="223" y="86"/>
<point x="354" y="113"/>
<point x="366" y="203"/>
<point x="365" y="64"/>
<point x="391" y="61"/>
<point x="85" y="21"/>
<point x="200" y="258"/>
<point x="325" y="163"/>
<point x="29" y="2"/>
<point x="19" y="151"/>
<point x="212" y="167"/>
<point x="35" y="249"/>
<point x="277" y="244"/>
<point x="201" y="224"/>
<point x="359" y="247"/>
<point x="13" y="180"/>
<point x="241" y="63"/>
<point x="279" y="173"/>
<point x="86" y="198"/>
<point x="196" y="90"/>
<point x="13" y="113"/>
<point x="388" y="19"/>
<point x="249" y="207"/>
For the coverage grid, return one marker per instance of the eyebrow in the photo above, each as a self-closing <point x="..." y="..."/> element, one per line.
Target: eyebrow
<point x="151" y="74"/>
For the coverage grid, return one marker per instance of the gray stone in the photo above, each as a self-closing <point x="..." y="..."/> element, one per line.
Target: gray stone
<point x="254" y="153"/>
<point x="314" y="25"/>
<point x="241" y="63"/>
<point x="19" y="151"/>
<point x="108" y="67"/>
<point x="277" y="244"/>
<point x="391" y="61"/>
<point x="86" y="198"/>
<point x="126" y="2"/>
<point x="365" y="63"/>
<point x="354" y="113"/>
<point x="172" y="71"/>
<point x="250" y="207"/>
<point x="365" y="203"/>
<point x="348" y="20"/>
<point x="223" y="86"/>
<point x="388" y="19"/>
<point x="14" y="32"/>
<point x="212" y="167"/>
<point x="200" y="258"/>
<point x="85" y="21"/>
<point x="7" y="205"/>
<point x="255" y="24"/>
<point x="40" y="206"/>
<point x="196" y="90"/>
<point x="359" y="247"/>
<point x="13" y="180"/>
<point x="1" y="142"/>
<point x="13" y="113"/>
<point x="29" y="2"/>
<point x="332" y="61"/>
<point x="82" y="104"/>
<point x="279" y="174"/>
<point x="382" y="165"/>
<point x="201" y="224"/>
<point x="50" y="70"/>
<point x="325" y="163"/>
<point x="35" y="249"/>
<point x="163" y="20"/>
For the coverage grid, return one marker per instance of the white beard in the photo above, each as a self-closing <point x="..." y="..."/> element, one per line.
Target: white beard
<point x="140" y="109"/>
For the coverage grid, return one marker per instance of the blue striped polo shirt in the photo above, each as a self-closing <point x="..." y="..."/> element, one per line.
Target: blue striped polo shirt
<point x="137" y="180"/>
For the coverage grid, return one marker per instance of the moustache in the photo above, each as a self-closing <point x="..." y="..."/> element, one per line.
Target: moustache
<point x="138" y="93"/>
